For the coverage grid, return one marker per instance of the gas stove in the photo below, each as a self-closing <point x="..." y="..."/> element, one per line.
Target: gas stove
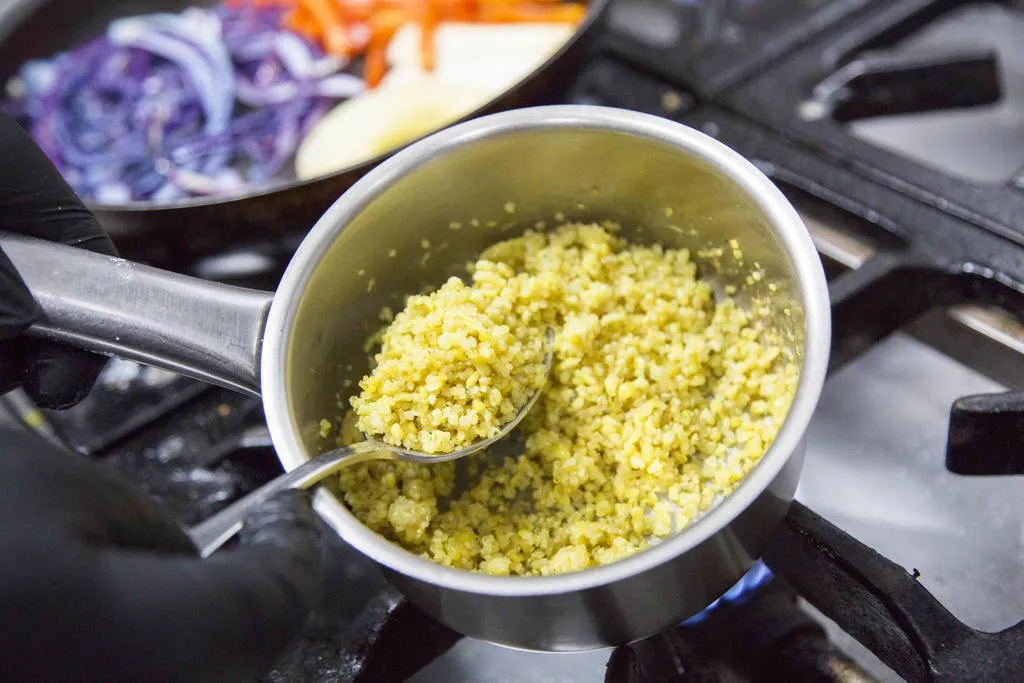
<point x="896" y="127"/>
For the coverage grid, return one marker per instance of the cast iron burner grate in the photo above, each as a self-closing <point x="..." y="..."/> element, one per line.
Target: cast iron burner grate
<point x="936" y="242"/>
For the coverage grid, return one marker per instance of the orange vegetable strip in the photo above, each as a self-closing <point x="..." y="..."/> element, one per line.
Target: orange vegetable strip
<point x="302" y="22"/>
<point x="375" y="65"/>
<point x="428" y="26"/>
<point x="356" y="30"/>
<point x="383" y="26"/>
<point x="354" y="10"/>
<point x="335" y="39"/>
<point x="528" y="12"/>
<point x="349" y="27"/>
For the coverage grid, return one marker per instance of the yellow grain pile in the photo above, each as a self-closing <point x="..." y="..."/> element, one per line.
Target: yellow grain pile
<point x="661" y="399"/>
<point x="454" y="366"/>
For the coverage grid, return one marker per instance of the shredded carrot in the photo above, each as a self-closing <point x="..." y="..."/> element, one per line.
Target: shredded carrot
<point x="301" y="21"/>
<point x="428" y="25"/>
<point x="376" y="64"/>
<point x="327" y="16"/>
<point x="383" y="26"/>
<point x="529" y="11"/>
<point x="348" y="28"/>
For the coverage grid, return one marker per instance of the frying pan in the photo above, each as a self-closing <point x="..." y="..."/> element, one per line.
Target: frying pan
<point x="181" y="232"/>
<point x="298" y="346"/>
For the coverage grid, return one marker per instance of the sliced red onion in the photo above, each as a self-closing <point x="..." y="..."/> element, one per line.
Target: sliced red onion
<point x="193" y="43"/>
<point x="163" y="107"/>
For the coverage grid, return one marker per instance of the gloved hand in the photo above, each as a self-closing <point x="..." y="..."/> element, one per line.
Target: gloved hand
<point x="36" y="201"/>
<point x="98" y="584"/>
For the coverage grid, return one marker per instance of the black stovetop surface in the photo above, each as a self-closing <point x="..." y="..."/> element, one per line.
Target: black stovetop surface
<point x="761" y="76"/>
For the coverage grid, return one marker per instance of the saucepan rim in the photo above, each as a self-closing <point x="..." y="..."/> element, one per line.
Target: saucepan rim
<point x="786" y="223"/>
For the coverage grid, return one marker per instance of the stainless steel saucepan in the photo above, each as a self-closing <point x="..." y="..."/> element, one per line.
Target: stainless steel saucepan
<point x="413" y="221"/>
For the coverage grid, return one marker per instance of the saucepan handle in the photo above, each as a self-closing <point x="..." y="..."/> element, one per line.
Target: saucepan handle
<point x="206" y="330"/>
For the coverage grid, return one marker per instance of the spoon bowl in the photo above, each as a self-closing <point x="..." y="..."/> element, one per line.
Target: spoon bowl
<point x="217" y="530"/>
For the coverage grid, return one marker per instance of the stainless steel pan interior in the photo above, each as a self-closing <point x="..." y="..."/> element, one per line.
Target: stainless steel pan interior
<point x="664" y="182"/>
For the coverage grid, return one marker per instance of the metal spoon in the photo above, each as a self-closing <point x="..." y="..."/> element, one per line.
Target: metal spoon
<point x="217" y="530"/>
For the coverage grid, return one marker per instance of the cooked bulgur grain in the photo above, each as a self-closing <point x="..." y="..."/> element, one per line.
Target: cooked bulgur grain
<point x="452" y="370"/>
<point x="660" y="401"/>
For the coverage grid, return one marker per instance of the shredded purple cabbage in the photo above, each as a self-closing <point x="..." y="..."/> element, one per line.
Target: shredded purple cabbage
<point x="208" y="102"/>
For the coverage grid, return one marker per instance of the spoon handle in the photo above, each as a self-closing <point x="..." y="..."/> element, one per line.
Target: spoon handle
<point x="215" y="531"/>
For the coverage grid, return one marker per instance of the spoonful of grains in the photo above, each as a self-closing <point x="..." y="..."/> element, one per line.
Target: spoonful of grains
<point x="450" y="380"/>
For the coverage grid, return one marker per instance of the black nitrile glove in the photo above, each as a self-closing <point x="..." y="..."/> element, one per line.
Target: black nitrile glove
<point x="35" y="200"/>
<point x="98" y="583"/>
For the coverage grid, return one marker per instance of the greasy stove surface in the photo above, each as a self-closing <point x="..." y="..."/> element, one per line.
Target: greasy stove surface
<point x="918" y="218"/>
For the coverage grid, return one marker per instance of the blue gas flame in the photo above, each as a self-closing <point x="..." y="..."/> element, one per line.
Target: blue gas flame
<point x="759" y="575"/>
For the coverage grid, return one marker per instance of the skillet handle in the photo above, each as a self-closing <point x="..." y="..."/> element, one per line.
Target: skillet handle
<point x="209" y="331"/>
